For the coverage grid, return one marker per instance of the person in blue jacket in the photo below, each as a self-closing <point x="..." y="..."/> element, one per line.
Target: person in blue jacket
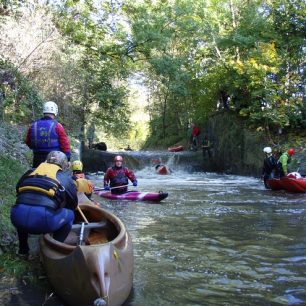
<point x="46" y="135"/>
<point x="46" y="199"/>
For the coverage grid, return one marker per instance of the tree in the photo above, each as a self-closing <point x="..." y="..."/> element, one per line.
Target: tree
<point x="102" y="95"/>
<point x="221" y="54"/>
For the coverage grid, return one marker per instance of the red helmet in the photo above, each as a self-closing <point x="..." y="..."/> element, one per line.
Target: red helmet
<point x="290" y="151"/>
<point x="118" y="158"/>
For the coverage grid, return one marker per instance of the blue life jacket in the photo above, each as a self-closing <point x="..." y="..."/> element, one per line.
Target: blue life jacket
<point x="43" y="136"/>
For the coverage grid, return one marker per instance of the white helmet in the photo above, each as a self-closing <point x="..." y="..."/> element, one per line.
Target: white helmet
<point x="50" y="107"/>
<point x="295" y="175"/>
<point x="267" y="150"/>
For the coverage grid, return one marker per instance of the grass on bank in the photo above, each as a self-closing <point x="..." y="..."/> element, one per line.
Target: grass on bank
<point x="10" y="263"/>
<point x="11" y="171"/>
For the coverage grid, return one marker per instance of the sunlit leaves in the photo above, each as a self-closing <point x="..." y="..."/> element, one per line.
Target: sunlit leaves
<point x="93" y="26"/>
<point x="190" y="52"/>
<point x="249" y="50"/>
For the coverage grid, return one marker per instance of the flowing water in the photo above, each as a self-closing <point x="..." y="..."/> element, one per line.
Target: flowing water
<point x="216" y="240"/>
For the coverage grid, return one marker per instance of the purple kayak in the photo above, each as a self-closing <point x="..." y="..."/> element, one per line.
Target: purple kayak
<point x="133" y="196"/>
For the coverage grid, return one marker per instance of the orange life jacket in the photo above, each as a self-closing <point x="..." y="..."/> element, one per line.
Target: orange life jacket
<point x="84" y="185"/>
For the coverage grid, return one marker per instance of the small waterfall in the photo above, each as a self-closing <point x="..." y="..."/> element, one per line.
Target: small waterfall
<point x="95" y="160"/>
<point x="172" y="161"/>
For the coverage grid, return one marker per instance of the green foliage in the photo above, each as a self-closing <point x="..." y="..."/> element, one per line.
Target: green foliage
<point x="196" y="57"/>
<point x="102" y="69"/>
<point x="20" y="100"/>
<point x="251" y="52"/>
<point x="13" y="265"/>
<point x="10" y="172"/>
<point x="29" y="272"/>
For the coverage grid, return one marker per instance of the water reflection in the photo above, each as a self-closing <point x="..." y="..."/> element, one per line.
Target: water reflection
<point x="216" y="240"/>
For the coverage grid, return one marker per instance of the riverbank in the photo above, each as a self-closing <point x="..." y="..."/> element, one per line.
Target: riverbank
<point x="14" y="161"/>
<point x="15" y="272"/>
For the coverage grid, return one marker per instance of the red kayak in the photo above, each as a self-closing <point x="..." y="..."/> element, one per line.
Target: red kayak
<point x="133" y="196"/>
<point x="275" y="184"/>
<point x="176" y="149"/>
<point x="162" y="169"/>
<point x="293" y="182"/>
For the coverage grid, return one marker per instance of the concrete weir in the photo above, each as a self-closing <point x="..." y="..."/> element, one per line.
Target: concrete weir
<point x="96" y="160"/>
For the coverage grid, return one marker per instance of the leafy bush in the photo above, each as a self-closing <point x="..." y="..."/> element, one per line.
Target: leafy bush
<point x="10" y="172"/>
<point x="20" y="99"/>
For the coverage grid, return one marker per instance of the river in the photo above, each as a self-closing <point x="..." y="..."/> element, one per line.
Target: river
<point x="216" y="240"/>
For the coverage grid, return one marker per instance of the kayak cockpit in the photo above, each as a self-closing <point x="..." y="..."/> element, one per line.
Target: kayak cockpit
<point x="88" y="233"/>
<point x="100" y="229"/>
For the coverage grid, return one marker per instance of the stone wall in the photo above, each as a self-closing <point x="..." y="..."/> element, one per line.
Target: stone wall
<point x="235" y="149"/>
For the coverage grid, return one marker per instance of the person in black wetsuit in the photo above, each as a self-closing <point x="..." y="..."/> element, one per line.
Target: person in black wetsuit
<point x="269" y="165"/>
<point x="46" y="200"/>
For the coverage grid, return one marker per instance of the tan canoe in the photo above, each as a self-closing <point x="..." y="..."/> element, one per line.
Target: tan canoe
<point x="99" y="271"/>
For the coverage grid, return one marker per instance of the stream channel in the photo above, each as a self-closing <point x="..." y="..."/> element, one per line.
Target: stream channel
<point x="216" y="240"/>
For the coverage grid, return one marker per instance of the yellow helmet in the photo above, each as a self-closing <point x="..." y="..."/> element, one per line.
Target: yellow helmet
<point x="77" y="165"/>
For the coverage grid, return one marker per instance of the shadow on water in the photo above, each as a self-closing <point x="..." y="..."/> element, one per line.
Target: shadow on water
<point x="216" y="240"/>
<point x="19" y="293"/>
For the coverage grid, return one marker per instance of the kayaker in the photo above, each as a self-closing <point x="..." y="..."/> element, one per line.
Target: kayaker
<point x="159" y="166"/>
<point x="83" y="184"/>
<point x="195" y="137"/>
<point x="162" y="169"/>
<point x="118" y="176"/>
<point x="46" y="199"/>
<point x="46" y="135"/>
<point x="283" y="162"/>
<point x="269" y="165"/>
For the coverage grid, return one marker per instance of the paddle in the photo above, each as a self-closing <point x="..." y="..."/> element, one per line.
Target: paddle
<point x="81" y="238"/>
<point x="82" y="214"/>
<point x="101" y="189"/>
